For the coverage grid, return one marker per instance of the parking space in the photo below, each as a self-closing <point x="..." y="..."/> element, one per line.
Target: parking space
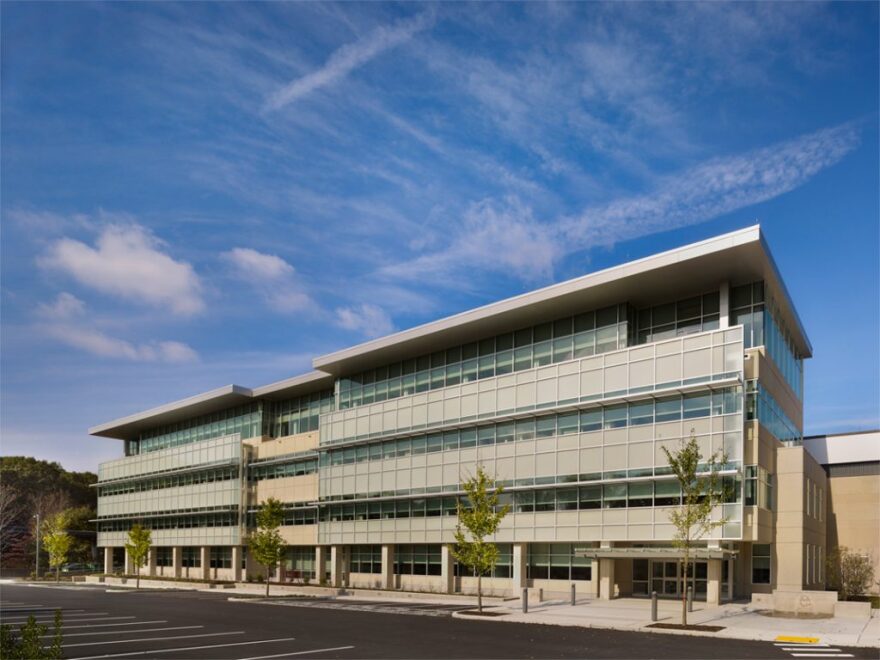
<point x="111" y="632"/>
<point x="105" y="623"/>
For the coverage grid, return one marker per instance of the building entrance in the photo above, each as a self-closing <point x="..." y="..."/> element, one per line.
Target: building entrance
<point x="667" y="578"/>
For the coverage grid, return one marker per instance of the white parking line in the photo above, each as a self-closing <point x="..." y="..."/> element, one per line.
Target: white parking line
<point x="107" y="625"/>
<point x="821" y="655"/>
<point x="154" y="639"/>
<point x="100" y="618"/>
<point x="184" y="648"/>
<point x="127" y="632"/>
<point x="801" y="646"/>
<point x="818" y="648"/>
<point x="287" y="655"/>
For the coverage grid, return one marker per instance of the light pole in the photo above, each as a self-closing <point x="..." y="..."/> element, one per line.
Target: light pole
<point x="37" y="569"/>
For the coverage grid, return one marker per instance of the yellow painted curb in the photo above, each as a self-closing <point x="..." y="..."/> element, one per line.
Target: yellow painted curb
<point x="797" y="640"/>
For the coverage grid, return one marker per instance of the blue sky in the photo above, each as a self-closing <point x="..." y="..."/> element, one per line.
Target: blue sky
<point x="197" y="194"/>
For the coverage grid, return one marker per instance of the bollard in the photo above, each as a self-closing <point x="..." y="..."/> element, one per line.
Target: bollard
<point x="573" y="600"/>
<point x="540" y="595"/>
<point x="690" y="599"/>
<point x="653" y="606"/>
<point x="525" y="601"/>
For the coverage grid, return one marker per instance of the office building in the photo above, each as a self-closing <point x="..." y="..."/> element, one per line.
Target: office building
<point x="567" y="395"/>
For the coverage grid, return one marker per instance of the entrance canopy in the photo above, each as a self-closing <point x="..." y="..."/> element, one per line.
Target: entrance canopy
<point x="656" y="552"/>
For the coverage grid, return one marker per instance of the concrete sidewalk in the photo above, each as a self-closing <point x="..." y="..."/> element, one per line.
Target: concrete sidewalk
<point x="740" y="620"/>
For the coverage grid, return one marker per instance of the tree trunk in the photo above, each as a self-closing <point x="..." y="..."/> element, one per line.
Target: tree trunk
<point x="267" y="581"/>
<point x="137" y="580"/>
<point x="58" y="574"/>
<point x="684" y="582"/>
<point x="480" y="593"/>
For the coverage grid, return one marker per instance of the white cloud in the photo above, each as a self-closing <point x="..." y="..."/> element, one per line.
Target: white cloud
<point x="504" y="237"/>
<point x="100" y="344"/>
<point x="495" y="236"/>
<point x="65" y="306"/>
<point x="367" y="319"/>
<point x="348" y="58"/>
<point x="712" y="189"/>
<point x="128" y="262"/>
<point x="257" y="265"/>
<point x="272" y="277"/>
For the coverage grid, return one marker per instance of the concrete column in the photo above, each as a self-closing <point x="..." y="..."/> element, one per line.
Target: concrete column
<point x="447" y="570"/>
<point x="520" y="572"/>
<point x="129" y="564"/>
<point x="204" y="572"/>
<point x="606" y="579"/>
<point x="320" y="563"/>
<point x="108" y="560"/>
<point x="713" y="583"/>
<point x="724" y="299"/>
<point x="177" y="561"/>
<point x="594" y="578"/>
<point x="236" y="562"/>
<point x="336" y="566"/>
<point x="729" y="579"/>
<point x="388" y="566"/>
<point x="151" y="562"/>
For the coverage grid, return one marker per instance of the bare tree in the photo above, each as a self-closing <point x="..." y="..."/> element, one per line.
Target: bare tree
<point x="13" y="520"/>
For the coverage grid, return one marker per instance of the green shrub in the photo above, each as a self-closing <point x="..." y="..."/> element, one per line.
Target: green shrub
<point x="27" y="644"/>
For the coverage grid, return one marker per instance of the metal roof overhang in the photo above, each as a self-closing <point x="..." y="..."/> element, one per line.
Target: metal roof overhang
<point x="130" y="427"/>
<point x="654" y="553"/>
<point x="738" y="257"/>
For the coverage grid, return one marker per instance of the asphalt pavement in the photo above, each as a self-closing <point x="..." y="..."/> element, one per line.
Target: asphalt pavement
<point x="102" y="623"/>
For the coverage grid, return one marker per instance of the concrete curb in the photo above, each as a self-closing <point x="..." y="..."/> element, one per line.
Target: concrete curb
<point x="727" y="633"/>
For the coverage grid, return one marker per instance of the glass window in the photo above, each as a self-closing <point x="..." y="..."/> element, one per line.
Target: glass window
<point x="668" y="409"/>
<point x="615" y="416"/>
<point x="468" y="438"/>
<point x="522" y="358"/>
<point x="761" y="563"/>
<point x="546" y="426"/>
<point x="614" y="496"/>
<point x="591" y="420"/>
<point x="606" y="339"/>
<point x="525" y="430"/>
<point x="641" y="413"/>
<point x="541" y="354"/>
<point x="567" y="423"/>
<point x="641" y="493"/>
<point x="590" y="497"/>
<point x="697" y="405"/>
<point x="667" y="493"/>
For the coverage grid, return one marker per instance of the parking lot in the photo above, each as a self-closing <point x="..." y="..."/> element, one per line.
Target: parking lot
<point x="116" y="623"/>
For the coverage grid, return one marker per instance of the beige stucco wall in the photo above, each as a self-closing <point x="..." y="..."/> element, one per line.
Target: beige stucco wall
<point x="794" y="527"/>
<point x="853" y="516"/>
<point x="287" y="489"/>
<point x="267" y="447"/>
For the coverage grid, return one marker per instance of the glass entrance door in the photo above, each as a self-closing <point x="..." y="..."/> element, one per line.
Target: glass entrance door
<point x="666" y="578"/>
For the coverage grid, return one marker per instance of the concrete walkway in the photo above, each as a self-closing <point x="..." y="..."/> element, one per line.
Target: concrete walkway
<point x="740" y="620"/>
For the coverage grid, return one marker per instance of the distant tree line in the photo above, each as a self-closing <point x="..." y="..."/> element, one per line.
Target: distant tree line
<point x="29" y="487"/>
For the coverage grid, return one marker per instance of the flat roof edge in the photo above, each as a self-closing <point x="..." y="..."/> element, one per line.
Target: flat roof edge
<point x="732" y="239"/>
<point x="204" y="397"/>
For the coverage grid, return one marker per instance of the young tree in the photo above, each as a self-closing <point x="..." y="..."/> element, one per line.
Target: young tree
<point x="57" y="541"/>
<point x="849" y="572"/>
<point x="475" y="522"/>
<point x="138" y="546"/>
<point x="28" y="643"/>
<point x="701" y="492"/>
<point x="266" y="544"/>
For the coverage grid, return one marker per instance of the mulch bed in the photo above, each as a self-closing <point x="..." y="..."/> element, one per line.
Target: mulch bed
<point x="678" y="626"/>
